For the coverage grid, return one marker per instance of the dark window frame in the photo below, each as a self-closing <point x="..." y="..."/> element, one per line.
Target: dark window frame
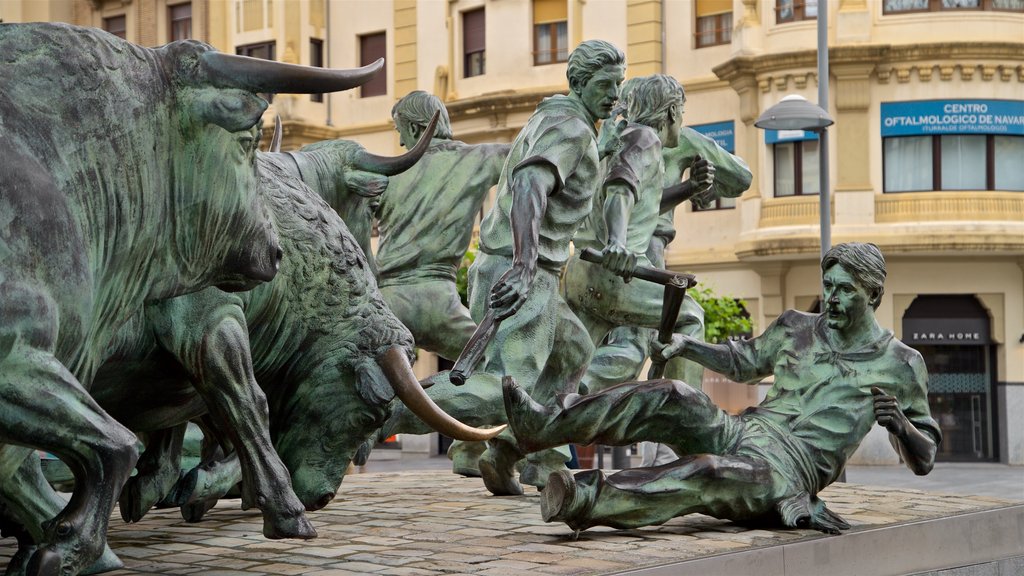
<point x="936" y="139"/>
<point x="798" y="169"/>
<point x="174" y="21"/>
<point x="250" y="49"/>
<point x="469" y="69"/>
<point x="316" y="59"/>
<point x="936" y="6"/>
<point x="799" y="11"/>
<point x="110" y="20"/>
<point x="554" y="52"/>
<point x="378" y="85"/>
<point x="723" y="31"/>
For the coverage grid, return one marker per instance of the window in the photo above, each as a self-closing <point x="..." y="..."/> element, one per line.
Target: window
<point x="316" y="58"/>
<point x="714" y="22"/>
<point x="180" y="18"/>
<point x="905" y="6"/>
<point x="372" y="47"/>
<point x="550" y="31"/>
<point x="264" y="50"/>
<point x="794" y="10"/>
<point x="116" y="25"/>
<point x="953" y="162"/>
<point x="473" y="43"/>
<point x="796" y="168"/>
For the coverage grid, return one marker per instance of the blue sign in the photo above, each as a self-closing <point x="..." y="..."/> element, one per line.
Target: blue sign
<point x="778" y="136"/>
<point x="953" y="117"/>
<point x="723" y="133"/>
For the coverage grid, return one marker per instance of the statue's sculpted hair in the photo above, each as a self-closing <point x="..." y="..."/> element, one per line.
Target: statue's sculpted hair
<point x="651" y="99"/>
<point x="864" y="261"/>
<point x="590" y="57"/>
<point x="418" y="107"/>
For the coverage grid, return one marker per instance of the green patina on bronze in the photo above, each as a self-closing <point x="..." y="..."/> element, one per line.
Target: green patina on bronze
<point x="836" y="374"/>
<point x="128" y="175"/>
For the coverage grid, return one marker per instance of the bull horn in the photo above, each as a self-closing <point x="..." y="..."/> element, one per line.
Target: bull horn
<point x="398" y="372"/>
<point x="275" y="140"/>
<point x="258" y="75"/>
<point x="388" y="166"/>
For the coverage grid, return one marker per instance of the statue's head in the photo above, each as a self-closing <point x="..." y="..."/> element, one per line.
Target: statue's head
<point x="657" y="101"/>
<point x="413" y="112"/>
<point x="853" y="278"/>
<point x="596" y="69"/>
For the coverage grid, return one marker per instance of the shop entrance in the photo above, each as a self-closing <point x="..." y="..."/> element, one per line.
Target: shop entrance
<point x="952" y="334"/>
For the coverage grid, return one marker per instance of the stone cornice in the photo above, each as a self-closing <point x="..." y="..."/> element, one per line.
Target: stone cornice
<point x="879" y="54"/>
<point x="502" y="102"/>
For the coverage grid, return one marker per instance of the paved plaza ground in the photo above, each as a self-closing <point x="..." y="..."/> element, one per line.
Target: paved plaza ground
<point x="415" y="518"/>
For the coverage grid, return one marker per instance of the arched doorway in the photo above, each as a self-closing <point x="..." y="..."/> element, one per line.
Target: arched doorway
<point x="952" y="332"/>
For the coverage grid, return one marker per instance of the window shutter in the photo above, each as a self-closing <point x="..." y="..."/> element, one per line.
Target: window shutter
<point x="550" y="11"/>
<point x="713" y="7"/>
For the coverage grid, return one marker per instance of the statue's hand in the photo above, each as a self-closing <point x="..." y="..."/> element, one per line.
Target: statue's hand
<point x="702" y="175"/>
<point x="888" y="413"/>
<point x="510" y="291"/>
<point x="618" y="260"/>
<point x="662" y="352"/>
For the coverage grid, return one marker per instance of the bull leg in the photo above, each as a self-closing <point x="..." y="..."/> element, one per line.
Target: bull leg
<point x="26" y="502"/>
<point x="158" y="471"/>
<point x="46" y="407"/>
<point x="201" y="488"/>
<point x="221" y="364"/>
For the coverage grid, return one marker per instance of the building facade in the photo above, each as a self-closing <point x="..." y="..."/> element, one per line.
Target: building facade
<point x="925" y="156"/>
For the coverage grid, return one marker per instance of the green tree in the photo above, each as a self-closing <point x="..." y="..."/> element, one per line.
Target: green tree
<point x="724" y="317"/>
<point x="462" y="274"/>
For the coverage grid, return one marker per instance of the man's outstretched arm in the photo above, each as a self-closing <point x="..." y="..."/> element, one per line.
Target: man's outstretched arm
<point x="917" y="447"/>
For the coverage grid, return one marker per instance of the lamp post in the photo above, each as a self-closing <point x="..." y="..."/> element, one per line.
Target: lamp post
<point x="796" y="113"/>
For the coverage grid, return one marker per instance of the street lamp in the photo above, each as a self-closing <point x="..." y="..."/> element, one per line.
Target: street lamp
<point x="796" y="113"/>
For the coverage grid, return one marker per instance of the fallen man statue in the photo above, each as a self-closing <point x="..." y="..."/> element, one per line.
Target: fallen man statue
<point x="836" y="374"/>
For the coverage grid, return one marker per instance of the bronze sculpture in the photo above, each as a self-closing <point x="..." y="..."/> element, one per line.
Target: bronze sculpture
<point x="836" y="374"/>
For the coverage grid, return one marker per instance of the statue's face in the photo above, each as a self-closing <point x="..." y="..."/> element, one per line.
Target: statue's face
<point x="408" y="135"/>
<point x="601" y="92"/>
<point x="846" y="301"/>
<point x="672" y="137"/>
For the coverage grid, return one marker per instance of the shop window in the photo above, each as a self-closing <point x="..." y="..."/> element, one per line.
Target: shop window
<point x="795" y="10"/>
<point x="263" y="50"/>
<point x="796" y="168"/>
<point x="550" y="31"/>
<point x="316" y="58"/>
<point x="473" y="43"/>
<point x="953" y="162"/>
<point x="371" y="48"/>
<point x="180" y="18"/>
<point x="910" y="6"/>
<point x="714" y="22"/>
<point x="116" y="25"/>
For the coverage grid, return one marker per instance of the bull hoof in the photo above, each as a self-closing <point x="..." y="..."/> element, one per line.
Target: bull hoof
<point x="133" y="502"/>
<point x="498" y="472"/>
<point x="293" y="527"/>
<point x="44" y="562"/>
<point x="193" y="512"/>
<point x="106" y="563"/>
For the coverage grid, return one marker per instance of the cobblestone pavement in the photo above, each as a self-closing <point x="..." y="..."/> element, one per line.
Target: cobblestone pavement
<point x="432" y="522"/>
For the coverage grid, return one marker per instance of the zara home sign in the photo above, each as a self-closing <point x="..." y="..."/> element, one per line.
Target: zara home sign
<point x="957" y="331"/>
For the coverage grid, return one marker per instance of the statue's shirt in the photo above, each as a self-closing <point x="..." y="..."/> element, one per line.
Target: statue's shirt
<point x="821" y="406"/>
<point x="638" y="165"/>
<point x="559" y="135"/>
<point x="426" y="215"/>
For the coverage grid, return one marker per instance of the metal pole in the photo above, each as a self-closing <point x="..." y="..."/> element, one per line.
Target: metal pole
<point x="825" y="207"/>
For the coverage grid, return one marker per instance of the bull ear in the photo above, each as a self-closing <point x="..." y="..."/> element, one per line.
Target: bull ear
<point x="233" y="110"/>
